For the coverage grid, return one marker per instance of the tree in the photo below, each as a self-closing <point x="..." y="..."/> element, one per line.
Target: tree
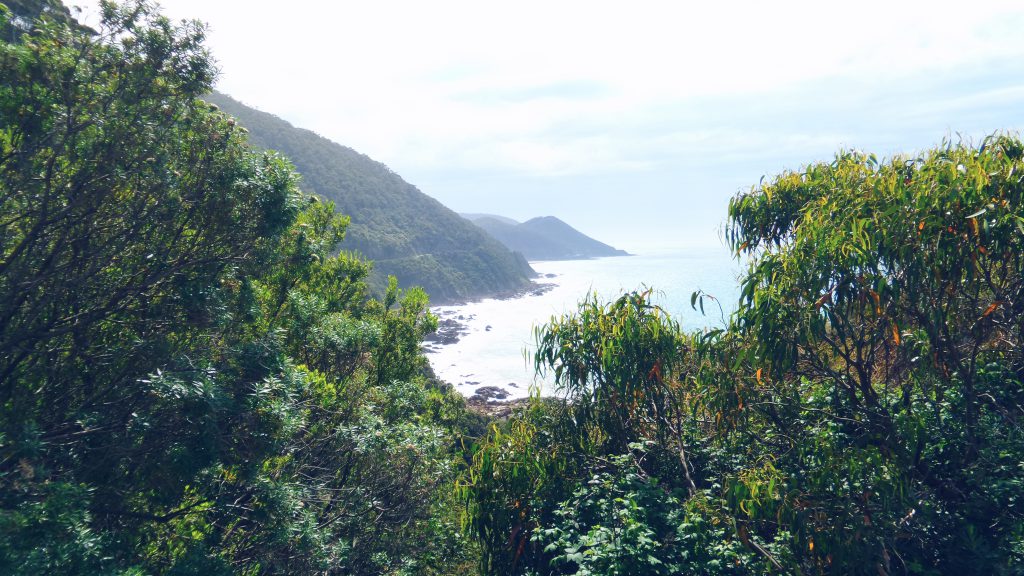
<point x="860" y="414"/>
<point x="130" y="210"/>
<point x="192" y="379"/>
<point x="883" y="309"/>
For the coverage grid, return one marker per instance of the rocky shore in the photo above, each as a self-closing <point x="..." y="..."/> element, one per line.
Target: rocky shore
<point x="456" y="322"/>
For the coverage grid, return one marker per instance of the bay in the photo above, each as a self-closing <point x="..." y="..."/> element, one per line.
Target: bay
<point x="496" y="348"/>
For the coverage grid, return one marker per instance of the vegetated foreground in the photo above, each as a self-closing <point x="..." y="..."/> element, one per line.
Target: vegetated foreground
<point x="861" y="413"/>
<point x="194" y="381"/>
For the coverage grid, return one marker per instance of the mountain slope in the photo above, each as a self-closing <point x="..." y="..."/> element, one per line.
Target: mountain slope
<point x="405" y="232"/>
<point x="544" y="238"/>
<point x="474" y="217"/>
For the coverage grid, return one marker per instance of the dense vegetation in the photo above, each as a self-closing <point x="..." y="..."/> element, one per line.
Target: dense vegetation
<point x="861" y="413"/>
<point x="406" y="233"/>
<point x="543" y="238"/>
<point x="192" y="379"/>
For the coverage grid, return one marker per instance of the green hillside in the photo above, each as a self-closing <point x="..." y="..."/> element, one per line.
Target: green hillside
<point x="405" y="232"/>
<point x="27" y="10"/>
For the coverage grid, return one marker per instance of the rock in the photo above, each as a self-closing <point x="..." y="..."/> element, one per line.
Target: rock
<point x="490" y="393"/>
<point x="448" y="332"/>
<point x="494" y="408"/>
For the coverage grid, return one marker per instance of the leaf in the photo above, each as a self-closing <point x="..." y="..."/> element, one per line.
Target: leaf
<point x="991" y="308"/>
<point x="978" y="213"/>
<point x="895" y="334"/>
<point x="826" y="298"/>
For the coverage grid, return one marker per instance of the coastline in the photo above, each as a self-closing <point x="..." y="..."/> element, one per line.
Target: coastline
<point x="482" y="345"/>
<point x="455" y="323"/>
<point x="486" y="348"/>
<point x="451" y="326"/>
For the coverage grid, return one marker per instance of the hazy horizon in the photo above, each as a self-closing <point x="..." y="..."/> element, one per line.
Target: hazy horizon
<point x="634" y="126"/>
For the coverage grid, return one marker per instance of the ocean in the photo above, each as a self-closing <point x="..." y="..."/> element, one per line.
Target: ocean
<point x="497" y="345"/>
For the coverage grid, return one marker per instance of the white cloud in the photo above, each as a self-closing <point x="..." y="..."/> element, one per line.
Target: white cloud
<point x="545" y="89"/>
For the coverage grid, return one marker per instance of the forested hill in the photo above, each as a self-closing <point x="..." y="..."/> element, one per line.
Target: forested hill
<point x="29" y="10"/>
<point x="25" y="12"/>
<point x="544" y="238"/>
<point x="405" y="232"/>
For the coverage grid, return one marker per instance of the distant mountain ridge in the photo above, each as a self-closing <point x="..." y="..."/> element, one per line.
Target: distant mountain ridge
<point x="543" y="238"/>
<point x="405" y="232"/>
<point x="474" y="217"/>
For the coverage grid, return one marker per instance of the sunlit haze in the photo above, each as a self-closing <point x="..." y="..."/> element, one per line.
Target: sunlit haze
<point x="634" y="122"/>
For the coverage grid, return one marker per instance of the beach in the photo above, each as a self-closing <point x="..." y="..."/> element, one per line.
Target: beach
<point x="485" y="348"/>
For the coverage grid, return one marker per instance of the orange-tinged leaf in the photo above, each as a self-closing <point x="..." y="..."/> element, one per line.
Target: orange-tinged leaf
<point x="758" y="375"/>
<point x="655" y="372"/>
<point x="810" y="545"/>
<point x="896" y="334"/>
<point x="991" y="308"/>
<point x="920" y="226"/>
<point x="826" y="298"/>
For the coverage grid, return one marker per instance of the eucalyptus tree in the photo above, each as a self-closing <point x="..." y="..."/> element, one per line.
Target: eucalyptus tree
<point x="860" y="414"/>
<point x="884" y="311"/>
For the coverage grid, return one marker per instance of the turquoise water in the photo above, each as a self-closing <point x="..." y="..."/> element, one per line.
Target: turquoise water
<point x="497" y="348"/>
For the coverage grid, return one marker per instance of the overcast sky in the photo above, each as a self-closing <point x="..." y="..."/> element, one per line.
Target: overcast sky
<point x="633" y="121"/>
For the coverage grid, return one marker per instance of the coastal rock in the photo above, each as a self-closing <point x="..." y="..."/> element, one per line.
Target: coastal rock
<point x="448" y="332"/>
<point x="496" y="409"/>
<point x="490" y="394"/>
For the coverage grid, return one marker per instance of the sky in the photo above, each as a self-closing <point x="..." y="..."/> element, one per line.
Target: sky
<point x="634" y="122"/>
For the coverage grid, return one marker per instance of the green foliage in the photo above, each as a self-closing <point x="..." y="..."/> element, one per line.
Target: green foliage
<point x="515" y="476"/>
<point x="614" y="362"/>
<point x="887" y="298"/>
<point x="405" y="321"/>
<point x="620" y="521"/>
<point x="192" y="378"/>
<point x="859" y="415"/>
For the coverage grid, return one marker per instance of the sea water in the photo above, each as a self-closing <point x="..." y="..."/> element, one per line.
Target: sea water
<point x="497" y="346"/>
